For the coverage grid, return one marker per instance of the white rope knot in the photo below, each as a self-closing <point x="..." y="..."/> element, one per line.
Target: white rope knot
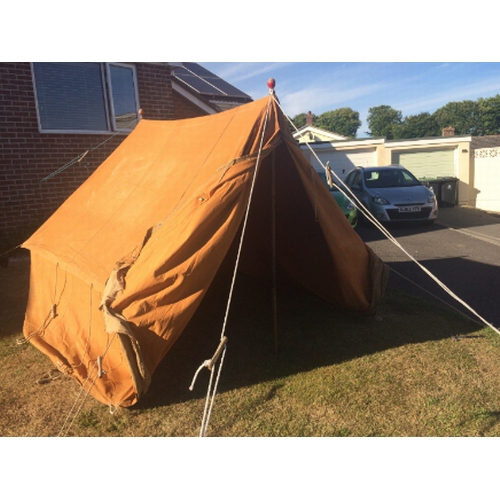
<point x="209" y="363"/>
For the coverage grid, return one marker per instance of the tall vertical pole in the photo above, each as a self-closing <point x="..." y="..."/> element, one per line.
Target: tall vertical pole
<point x="273" y="250"/>
<point x="271" y="83"/>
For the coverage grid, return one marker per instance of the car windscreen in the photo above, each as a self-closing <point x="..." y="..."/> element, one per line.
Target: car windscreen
<point x="386" y="178"/>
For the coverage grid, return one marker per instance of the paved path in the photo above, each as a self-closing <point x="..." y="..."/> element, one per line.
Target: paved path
<point x="484" y="226"/>
<point x="462" y="249"/>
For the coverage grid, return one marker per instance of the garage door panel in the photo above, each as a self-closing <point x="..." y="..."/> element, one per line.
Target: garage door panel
<point x="428" y="163"/>
<point x="343" y="162"/>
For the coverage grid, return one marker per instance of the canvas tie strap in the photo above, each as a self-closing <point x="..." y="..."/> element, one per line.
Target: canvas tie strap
<point x="52" y="314"/>
<point x="115" y="322"/>
<point x="329" y="176"/>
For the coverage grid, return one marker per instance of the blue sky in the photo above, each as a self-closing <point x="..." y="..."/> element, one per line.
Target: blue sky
<point x="411" y="87"/>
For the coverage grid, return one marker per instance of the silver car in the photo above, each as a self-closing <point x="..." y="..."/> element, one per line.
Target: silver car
<point x="393" y="193"/>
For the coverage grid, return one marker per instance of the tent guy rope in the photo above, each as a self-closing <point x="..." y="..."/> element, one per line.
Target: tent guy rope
<point x="84" y="392"/>
<point x="359" y="205"/>
<point x="212" y="388"/>
<point x="81" y="156"/>
<point x="78" y="159"/>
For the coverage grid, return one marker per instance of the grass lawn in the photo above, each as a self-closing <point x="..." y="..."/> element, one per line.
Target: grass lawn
<point x="414" y="370"/>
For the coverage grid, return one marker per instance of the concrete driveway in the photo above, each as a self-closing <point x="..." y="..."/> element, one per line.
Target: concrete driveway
<point x="462" y="249"/>
<point x="478" y="224"/>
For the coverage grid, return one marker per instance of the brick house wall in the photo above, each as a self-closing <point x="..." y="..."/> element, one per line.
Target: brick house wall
<point x="184" y="108"/>
<point x="28" y="156"/>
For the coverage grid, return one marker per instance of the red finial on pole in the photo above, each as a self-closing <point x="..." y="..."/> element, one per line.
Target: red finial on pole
<point x="271" y="83"/>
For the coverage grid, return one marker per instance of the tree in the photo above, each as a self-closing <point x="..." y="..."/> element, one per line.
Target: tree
<point x="343" y="121"/>
<point x="421" y="125"/>
<point x="463" y="116"/>
<point x="489" y="115"/>
<point x="382" y="119"/>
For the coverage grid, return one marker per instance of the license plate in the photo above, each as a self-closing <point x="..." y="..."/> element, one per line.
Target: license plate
<point x="409" y="209"/>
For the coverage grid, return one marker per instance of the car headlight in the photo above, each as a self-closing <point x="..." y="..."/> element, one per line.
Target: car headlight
<point x="349" y="206"/>
<point x="431" y="198"/>
<point x="380" y="200"/>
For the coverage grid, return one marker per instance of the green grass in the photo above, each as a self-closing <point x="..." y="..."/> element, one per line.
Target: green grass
<point x="399" y="374"/>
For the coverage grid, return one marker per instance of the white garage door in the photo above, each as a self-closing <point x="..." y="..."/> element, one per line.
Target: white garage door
<point x="425" y="164"/>
<point x="342" y="162"/>
<point x="486" y="178"/>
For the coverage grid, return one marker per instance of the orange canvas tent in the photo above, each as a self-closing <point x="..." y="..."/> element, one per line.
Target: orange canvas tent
<point x="120" y="268"/>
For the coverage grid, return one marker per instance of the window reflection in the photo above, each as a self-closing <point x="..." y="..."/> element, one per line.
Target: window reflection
<point x="123" y="92"/>
<point x="74" y="97"/>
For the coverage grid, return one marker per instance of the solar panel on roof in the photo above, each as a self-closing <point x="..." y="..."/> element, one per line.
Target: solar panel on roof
<point x="227" y="88"/>
<point x="199" y="85"/>
<point x="199" y="70"/>
<point x="205" y="82"/>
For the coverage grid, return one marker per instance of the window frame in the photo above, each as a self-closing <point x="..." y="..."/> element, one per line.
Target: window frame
<point x="109" y="110"/>
<point x="109" y="82"/>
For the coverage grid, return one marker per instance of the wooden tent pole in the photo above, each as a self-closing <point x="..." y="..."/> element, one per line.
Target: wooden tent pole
<point x="273" y="250"/>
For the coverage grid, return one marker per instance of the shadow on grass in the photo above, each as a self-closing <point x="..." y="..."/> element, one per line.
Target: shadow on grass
<point x="492" y="416"/>
<point x="474" y="282"/>
<point x="311" y="334"/>
<point x="14" y="294"/>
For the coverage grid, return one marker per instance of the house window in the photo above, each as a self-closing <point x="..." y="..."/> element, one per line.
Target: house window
<point x="85" y="97"/>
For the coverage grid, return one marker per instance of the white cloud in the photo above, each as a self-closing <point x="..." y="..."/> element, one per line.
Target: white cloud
<point x="467" y="92"/>
<point x="239" y="72"/>
<point x="321" y="99"/>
